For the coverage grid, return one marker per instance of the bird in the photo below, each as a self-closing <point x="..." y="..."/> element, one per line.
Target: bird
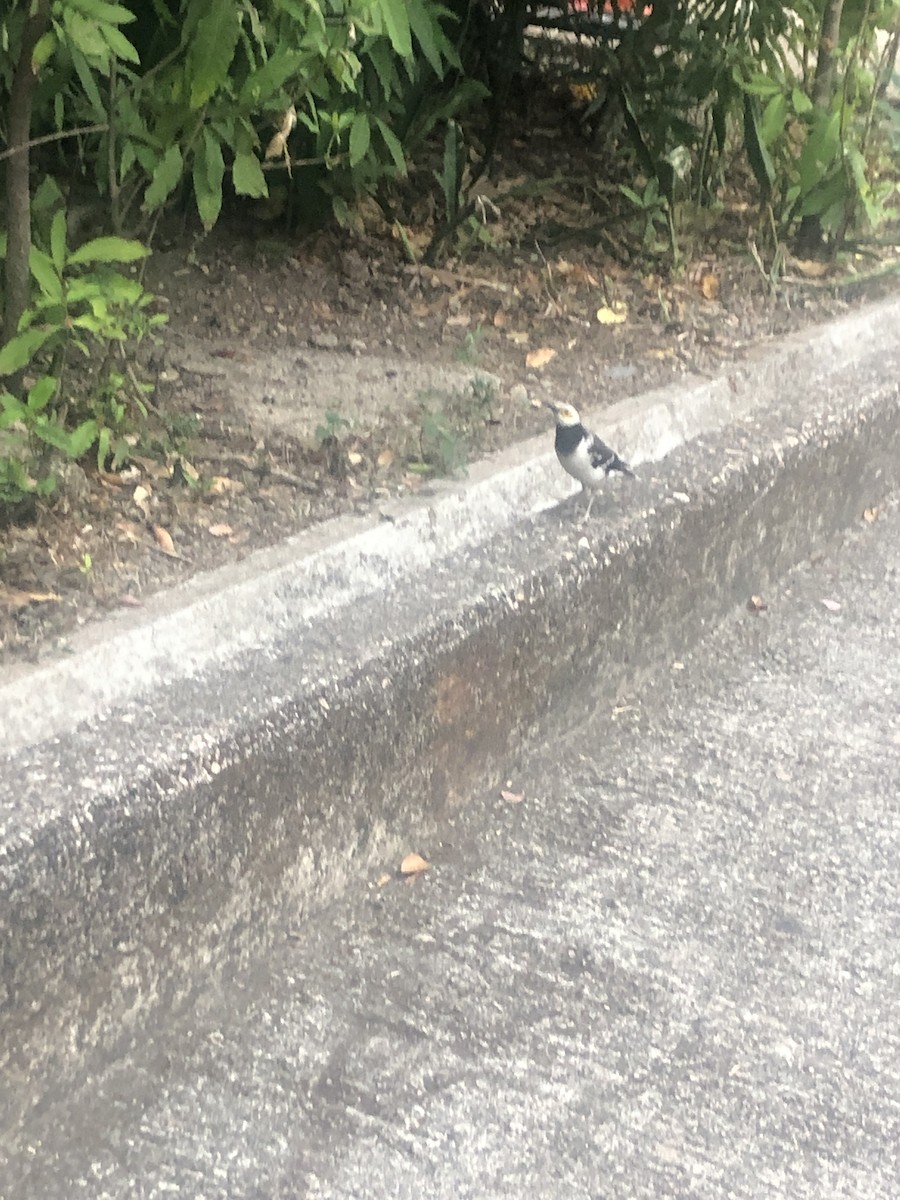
<point x="582" y="454"/>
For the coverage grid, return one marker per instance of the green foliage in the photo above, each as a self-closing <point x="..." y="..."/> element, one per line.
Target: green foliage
<point x="330" y="434"/>
<point x="82" y="306"/>
<point x="656" y="216"/>
<point x="442" y="447"/>
<point x="696" y="81"/>
<point x="201" y="82"/>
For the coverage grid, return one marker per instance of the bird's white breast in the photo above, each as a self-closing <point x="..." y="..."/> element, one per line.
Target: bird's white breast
<point x="579" y="466"/>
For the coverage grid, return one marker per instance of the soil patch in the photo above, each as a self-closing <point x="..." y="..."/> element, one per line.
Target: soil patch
<point x="302" y="378"/>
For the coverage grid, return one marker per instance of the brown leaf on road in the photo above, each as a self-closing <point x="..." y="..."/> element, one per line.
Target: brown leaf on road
<point x="535" y="359"/>
<point x="870" y="515"/>
<point x="164" y="541"/>
<point x="414" y="864"/>
<point x="833" y="606"/>
<point x="384" y="878"/>
<point x="130" y="601"/>
<point x="385" y="458"/>
<point x="512" y="797"/>
<point x="756" y="604"/>
<point x="220" y="530"/>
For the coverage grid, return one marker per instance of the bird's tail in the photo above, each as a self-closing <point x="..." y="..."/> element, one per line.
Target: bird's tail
<point x="618" y="464"/>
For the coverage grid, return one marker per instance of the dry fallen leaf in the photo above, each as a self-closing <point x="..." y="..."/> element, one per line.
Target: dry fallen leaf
<point x="535" y="359"/>
<point x="499" y="319"/>
<point x="129" y="530"/>
<point x="870" y="514"/>
<point x="130" y="601"/>
<point x="518" y="336"/>
<point x="15" y="599"/>
<point x="459" y="319"/>
<point x="221" y="530"/>
<point x="811" y="267"/>
<point x="756" y="604"/>
<point x="164" y="541"/>
<point x="354" y="458"/>
<point x="512" y="797"/>
<point x="833" y="606"/>
<point x="141" y="497"/>
<point x="384" y="878"/>
<point x="612" y="314"/>
<point x="414" y="864"/>
<point x="709" y="286"/>
<point x="220" y="484"/>
<point x="385" y="458"/>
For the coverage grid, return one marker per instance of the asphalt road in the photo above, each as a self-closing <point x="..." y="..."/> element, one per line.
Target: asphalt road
<point x="671" y="970"/>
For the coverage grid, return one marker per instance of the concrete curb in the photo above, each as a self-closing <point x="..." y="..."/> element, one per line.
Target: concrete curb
<point x="237" y="609"/>
<point x="166" y="836"/>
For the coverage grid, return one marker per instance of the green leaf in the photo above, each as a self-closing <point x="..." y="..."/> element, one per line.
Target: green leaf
<point x="41" y="394"/>
<point x="120" y="45"/>
<point x="212" y="50"/>
<point x="86" y="76"/>
<point x="382" y="59"/>
<point x="342" y="213"/>
<point x="166" y="178"/>
<point x="248" y="176"/>
<point x="58" y="240"/>
<point x="801" y="102"/>
<point x="85" y="35"/>
<point x="21" y="349"/>
<point x="360" y="138"/>
<point x="260" y="86"/>
<point x="46" y="274"/>
<point x="98" y="10"/>
<point x="396" y="23"/>
<point x="421" y="24"/>
<point x="773" y="119"/>
<point x="11" y="410"/>
<point x="108" y="250"/>
<point x="757" y="154"/>
<point x="394" y="147"/>
<point x="209" y="171"/>
<point x="43" y="51"/>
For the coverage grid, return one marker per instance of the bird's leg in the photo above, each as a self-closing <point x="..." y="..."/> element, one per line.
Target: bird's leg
<point x="592" y="496"/>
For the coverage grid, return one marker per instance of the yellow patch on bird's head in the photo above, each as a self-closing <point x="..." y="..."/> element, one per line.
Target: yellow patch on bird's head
<point x="565" y="414"/>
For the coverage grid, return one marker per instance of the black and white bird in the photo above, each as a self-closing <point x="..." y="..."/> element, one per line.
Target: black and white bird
<point x="583" y="454"/>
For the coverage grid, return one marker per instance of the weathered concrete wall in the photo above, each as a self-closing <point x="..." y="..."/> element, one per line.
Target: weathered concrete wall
<point x="163" y="838"/>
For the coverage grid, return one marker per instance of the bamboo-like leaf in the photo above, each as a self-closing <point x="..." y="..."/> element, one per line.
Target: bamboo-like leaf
<point x="46" y="274"/>
<point x="209" y="171"/>
<point x="21" y="349"/>
<point x="396" y="20"/>
<point x="166" y="177"/>
<point x="212" y="50"/>
<point x="58" y="240"/>
<point x="360" y="138"/>
<point x="757" y="153"/>
<point x="108" y="250"/>
<point x="248" y="176"/>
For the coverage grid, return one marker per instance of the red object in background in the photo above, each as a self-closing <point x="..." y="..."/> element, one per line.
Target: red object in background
<point x="624" y="6"/>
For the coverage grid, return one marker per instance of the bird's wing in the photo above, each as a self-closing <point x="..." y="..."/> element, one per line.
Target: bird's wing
<point x="599" y="453"/>
<point x="604" y="458"/>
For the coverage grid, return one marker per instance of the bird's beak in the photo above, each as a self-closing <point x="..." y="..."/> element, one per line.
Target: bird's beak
<point x="549" y="404"/>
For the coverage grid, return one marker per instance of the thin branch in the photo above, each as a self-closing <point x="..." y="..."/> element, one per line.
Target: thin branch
<point x="53" y="137"/>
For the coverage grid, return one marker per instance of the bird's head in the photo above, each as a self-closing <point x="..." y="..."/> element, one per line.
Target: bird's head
<point x="565" y="414"/>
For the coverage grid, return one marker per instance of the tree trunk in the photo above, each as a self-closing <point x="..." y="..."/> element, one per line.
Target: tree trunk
<point x="17" y="276"/>
<point x="809" y="235"/>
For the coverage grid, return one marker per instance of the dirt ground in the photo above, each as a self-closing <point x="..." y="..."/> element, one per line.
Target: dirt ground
<point x="300" y="378"/>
